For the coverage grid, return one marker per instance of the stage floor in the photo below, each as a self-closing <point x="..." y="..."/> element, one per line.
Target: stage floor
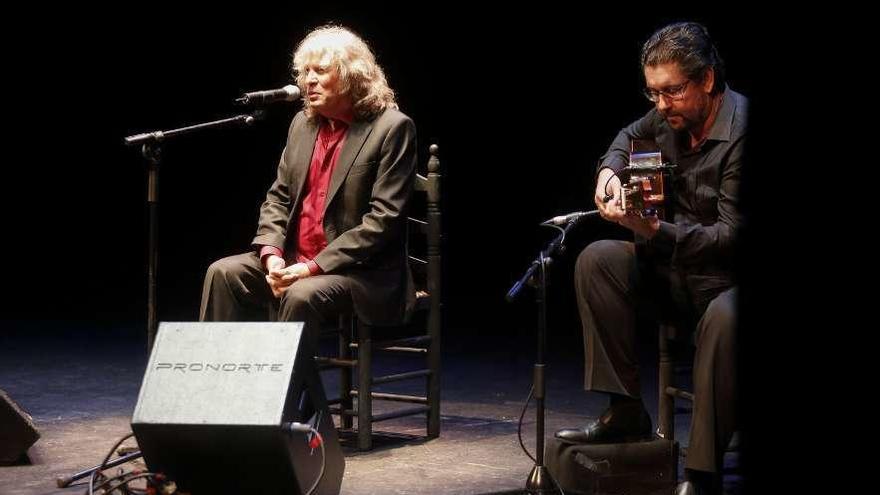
<point x="80" y="386"/>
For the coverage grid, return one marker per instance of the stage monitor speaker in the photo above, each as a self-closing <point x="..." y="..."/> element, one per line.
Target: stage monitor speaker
<point x="17" y="430"/>
<point x="214" y="402"/>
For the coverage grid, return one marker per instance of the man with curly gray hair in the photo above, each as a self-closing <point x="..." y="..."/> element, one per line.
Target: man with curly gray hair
<point x="330" y="237"/>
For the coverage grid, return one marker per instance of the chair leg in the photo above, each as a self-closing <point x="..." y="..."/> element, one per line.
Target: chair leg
<point x="666" y="406"/>
<point x="365" y="389"/>
<point x="345" y="332"/>
<point x="434" y="386"/>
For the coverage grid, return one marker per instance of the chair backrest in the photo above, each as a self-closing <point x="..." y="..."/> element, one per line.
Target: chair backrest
<point x="425" y="237"/>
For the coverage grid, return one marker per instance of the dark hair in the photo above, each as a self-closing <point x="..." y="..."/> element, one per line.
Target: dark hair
<point x="687" y="44"/>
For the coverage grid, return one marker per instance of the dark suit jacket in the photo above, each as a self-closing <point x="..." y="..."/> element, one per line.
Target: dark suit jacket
<point x="365" y="217"/>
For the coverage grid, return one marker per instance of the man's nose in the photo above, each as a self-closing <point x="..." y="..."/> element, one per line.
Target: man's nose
<point x="662" y="102"/>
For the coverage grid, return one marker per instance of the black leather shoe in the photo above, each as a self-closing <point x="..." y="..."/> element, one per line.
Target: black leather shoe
<point x="615" y="425"/>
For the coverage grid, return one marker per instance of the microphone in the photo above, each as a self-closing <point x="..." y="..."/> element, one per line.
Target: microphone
<point x="571" y="217"/>
<point x="287" y="93"/>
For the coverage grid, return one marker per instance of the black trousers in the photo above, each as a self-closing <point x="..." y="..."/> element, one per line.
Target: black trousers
<point x="235" y="289"/>
<point x="612" y="288"/>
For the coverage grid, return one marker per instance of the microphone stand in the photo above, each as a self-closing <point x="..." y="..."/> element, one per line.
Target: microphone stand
<point x="151" y="149"/>
<point x="540" y="480"/>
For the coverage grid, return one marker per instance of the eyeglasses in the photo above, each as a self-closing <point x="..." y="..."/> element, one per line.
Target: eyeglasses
<point x="674" y="93"/>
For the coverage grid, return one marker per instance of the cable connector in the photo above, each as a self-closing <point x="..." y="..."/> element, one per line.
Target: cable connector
<point x="294" y="426"/>
<point x="315" y="442"/>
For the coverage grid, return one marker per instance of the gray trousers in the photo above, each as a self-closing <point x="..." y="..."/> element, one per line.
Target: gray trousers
<point x="235" y="289"/>
<point x="611" y="290"/>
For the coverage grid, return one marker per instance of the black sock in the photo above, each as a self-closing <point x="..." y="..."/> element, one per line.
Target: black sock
<point x="619" y="400"/>
<point x="705" y="481"/>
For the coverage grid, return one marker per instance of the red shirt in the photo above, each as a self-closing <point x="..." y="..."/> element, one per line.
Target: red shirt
<point x="310" y="238"/>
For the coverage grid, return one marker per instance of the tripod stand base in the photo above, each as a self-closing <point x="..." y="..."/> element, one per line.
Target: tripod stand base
<point x="540" y="481"/>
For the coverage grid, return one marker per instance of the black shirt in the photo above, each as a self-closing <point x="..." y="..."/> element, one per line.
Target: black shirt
<point x="705" y="185"/>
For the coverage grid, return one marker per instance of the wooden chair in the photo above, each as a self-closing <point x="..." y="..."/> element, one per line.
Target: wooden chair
<point x="358" y="344"/>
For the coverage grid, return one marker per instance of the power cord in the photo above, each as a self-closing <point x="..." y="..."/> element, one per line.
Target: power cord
<point x="314" y="442"/>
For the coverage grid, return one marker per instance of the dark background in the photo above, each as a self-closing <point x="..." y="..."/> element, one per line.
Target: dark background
<point x="521" y="101"/>
<point x="522" y="105"/>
